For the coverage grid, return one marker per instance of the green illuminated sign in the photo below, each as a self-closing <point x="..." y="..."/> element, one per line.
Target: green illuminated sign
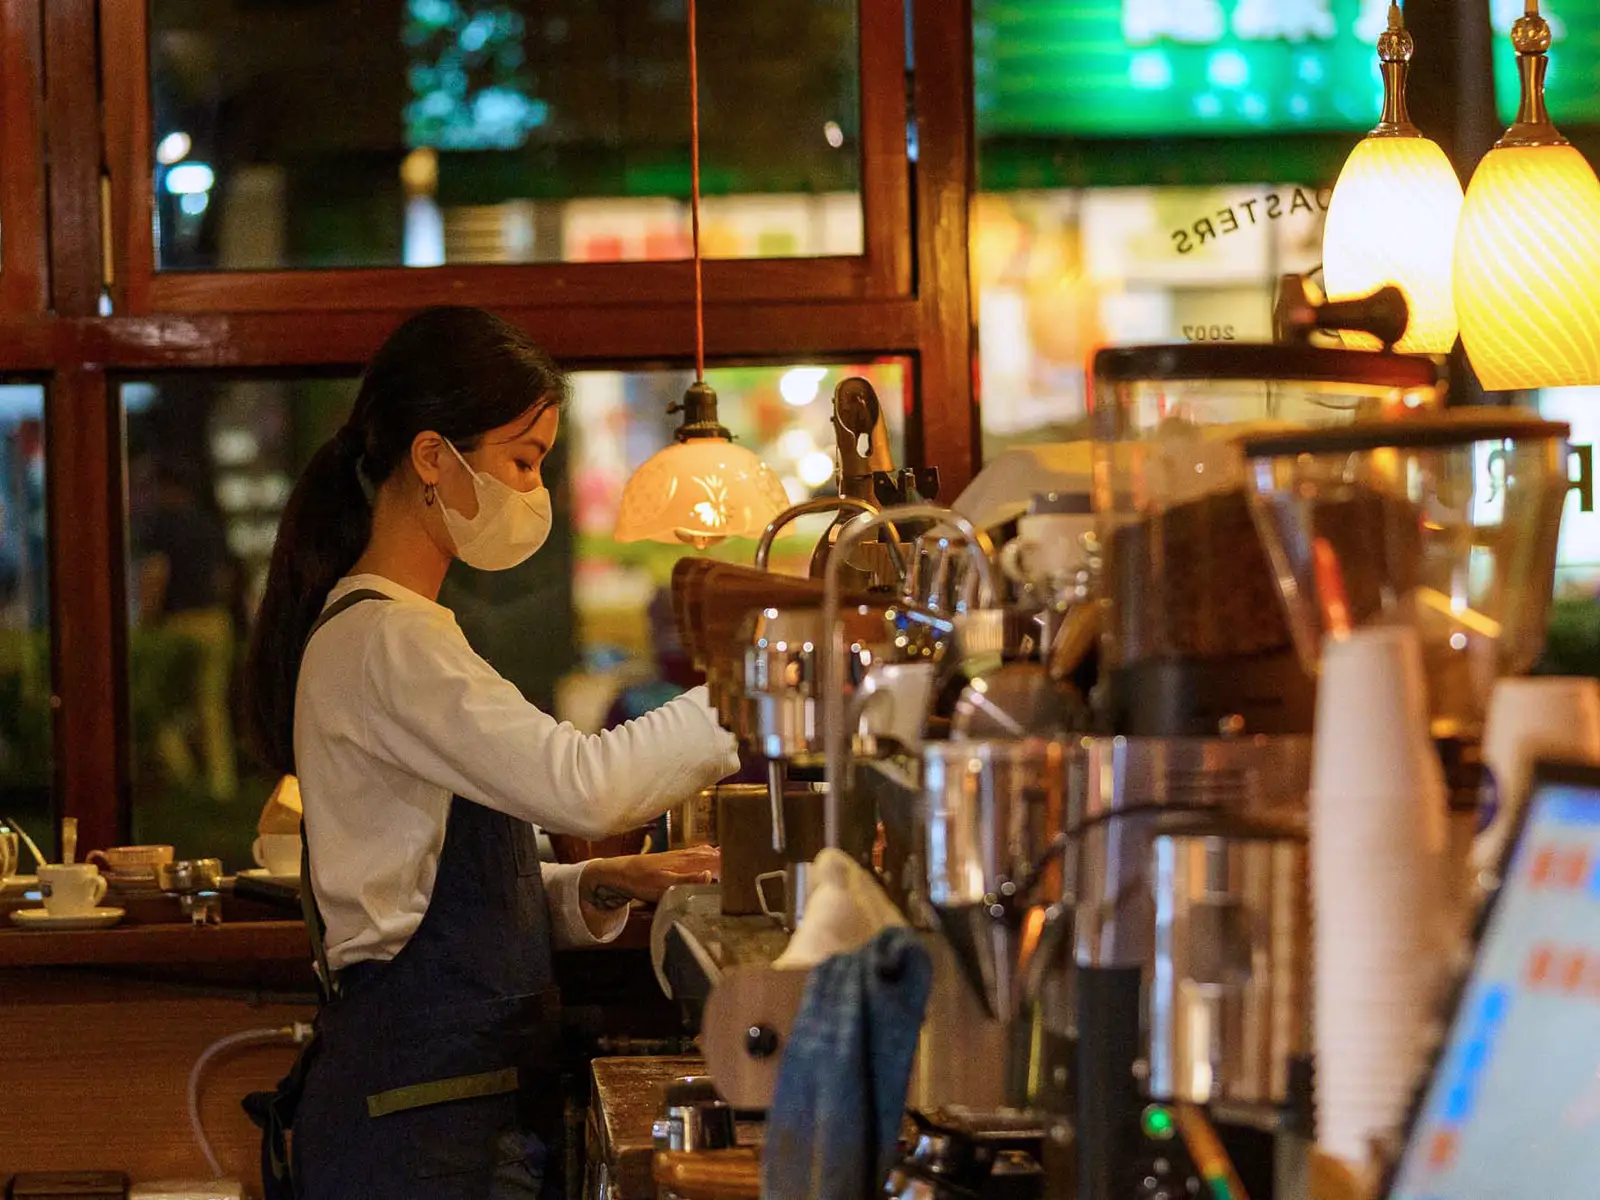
<point x="1572" y="84"/>
<point x="1136" y="68"/>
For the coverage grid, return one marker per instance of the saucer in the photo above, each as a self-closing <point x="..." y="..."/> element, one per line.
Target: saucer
<point x="263" y="873"/>
<point x="95" y="918"/>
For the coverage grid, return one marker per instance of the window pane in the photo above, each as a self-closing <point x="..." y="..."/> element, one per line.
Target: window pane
<point x="211" y="462"/>
<point x="421" y="132"/>
<point x="26" y="756"/>
<point x="618" y="420"/>
<point x="1059" y="273"/>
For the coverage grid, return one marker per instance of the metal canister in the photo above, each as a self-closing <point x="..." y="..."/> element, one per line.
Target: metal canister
<point x="693" y="821"/>
<point x="694" y="1117"/>
<point x="1228" y="1008"/>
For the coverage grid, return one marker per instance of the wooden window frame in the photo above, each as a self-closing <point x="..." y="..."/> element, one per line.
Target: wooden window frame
<point x="883" y="269"/>
<point x="22" y="203"/>
<point x="907" y="295"/>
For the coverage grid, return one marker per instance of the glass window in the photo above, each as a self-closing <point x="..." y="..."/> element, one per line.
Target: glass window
<point x="1136" y="183"/>
<point x="618" y="420"/>
<point x="1578" y="557"/>
<point x="1059" y="273"/>
<point x="423" y="132"/>
<point x="211" y="462"/>
<point x="210" y="465"/>
<point x="26" y="757"/>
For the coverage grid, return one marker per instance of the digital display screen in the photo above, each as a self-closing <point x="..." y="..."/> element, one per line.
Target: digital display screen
<point x="1513" y="1108"/>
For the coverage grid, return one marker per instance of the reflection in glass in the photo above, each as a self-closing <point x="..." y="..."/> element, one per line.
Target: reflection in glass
<point x="422" y="132"/>
<point x="25" y="730"/>
<point x="210" y="465"/>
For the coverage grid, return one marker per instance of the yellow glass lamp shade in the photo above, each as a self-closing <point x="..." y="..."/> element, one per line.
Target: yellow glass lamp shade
<point x="1528" y="269"/>
<point x="699" y="492"/>
<point x="1392" y="221"/>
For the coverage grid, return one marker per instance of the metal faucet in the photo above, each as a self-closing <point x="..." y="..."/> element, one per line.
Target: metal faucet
<point x="825" y="504"/>
<point x="830" y="653"/>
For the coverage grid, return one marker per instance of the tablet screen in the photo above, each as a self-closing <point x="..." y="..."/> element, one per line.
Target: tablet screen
<point x="1513" y="1108"/>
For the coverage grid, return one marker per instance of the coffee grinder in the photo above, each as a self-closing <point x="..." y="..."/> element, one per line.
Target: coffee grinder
<point x="1191" y="940"/>
<point x="1447" y="522"/>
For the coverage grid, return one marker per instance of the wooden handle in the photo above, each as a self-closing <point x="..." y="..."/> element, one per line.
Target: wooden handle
<point x="710" y="1174"/>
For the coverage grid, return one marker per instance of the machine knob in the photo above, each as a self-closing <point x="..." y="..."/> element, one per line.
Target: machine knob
<point x="761" y="1041"/>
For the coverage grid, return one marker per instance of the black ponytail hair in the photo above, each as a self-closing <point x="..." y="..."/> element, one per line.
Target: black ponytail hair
<point x="460" y="372"/>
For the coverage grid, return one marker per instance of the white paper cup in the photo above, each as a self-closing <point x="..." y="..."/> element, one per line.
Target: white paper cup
<point x="1372" y="734"/>
<point x="71" y="889"/>
<point x="1529" y="719"/>
<point x="279" y="853"/>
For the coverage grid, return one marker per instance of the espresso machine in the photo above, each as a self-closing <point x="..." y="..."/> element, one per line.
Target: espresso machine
<point x="1192" y="937"/>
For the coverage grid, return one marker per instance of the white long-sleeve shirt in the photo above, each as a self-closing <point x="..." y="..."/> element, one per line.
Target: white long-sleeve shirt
<point x="395" y="712"/>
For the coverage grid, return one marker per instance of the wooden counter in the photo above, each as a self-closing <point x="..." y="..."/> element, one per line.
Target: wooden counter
<point x="105" y="1025"/>
<point x="181" y="943"/>
<point x="124" y="945"/>
<point x="624" y="1102"/>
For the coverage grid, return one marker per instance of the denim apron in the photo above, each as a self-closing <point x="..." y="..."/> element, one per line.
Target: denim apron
<point x="430" y="1075"/>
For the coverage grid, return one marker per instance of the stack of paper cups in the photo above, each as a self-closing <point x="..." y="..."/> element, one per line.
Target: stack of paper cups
<point x="1382" y="925"/>
<point x="1530" y="719"/>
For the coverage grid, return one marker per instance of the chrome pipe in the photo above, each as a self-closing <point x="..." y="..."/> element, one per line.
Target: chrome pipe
<point x="831" y="654"/>
<point x="825" y="504"/>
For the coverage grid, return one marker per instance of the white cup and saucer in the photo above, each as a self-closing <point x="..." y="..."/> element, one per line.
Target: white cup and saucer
<point x="72" y="893"/>
<point x="277" y="856"/>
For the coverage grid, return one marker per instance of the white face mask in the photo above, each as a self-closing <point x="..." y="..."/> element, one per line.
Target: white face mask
<point x="509" y="527"/>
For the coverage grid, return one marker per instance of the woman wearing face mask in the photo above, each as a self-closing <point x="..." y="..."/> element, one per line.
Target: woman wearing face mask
<point x="423" y="773"/>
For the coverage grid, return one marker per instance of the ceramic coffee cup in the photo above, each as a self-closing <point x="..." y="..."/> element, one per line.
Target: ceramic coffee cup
<point x="279" y="853"/>
<point x="1047" y="546"/>
<point x="71" y="889"/>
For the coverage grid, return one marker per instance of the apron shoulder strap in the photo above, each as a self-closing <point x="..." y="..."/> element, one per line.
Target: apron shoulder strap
<point x="316" y="929"/>
<point x="347" y="601"/>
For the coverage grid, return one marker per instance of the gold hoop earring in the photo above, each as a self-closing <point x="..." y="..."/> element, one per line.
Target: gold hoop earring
<point x="428" y="494"/>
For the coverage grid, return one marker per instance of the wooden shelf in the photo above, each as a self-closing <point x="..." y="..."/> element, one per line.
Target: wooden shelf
<point x="242" y="941"/>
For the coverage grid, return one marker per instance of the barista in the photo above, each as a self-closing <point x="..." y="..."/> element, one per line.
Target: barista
<point x="423" y="774"/>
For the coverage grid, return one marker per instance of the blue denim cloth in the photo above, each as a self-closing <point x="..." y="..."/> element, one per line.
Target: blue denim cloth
<point x="835" y="1119"/>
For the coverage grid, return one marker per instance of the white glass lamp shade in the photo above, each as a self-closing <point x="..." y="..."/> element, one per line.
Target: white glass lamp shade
<point x="1392" y="221"/>
<point x="1527" y="278"/>
<point x="699" y="492"/>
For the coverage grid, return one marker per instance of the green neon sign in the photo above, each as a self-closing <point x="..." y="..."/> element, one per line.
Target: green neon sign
<point x="1180" y="68"/>
<point x="1572" y="83"/>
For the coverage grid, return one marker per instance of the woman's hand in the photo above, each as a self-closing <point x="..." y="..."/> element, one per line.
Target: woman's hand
<point x="608" y="884"/>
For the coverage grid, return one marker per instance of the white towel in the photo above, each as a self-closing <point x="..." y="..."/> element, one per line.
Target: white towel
<point x="844" y="910"/>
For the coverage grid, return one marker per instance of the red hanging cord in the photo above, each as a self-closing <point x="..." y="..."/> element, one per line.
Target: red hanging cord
<point x="694" y="201"/>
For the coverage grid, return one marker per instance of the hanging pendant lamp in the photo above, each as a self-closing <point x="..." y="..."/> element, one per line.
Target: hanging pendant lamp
<point x="1528" y="249"/>
<point x="703" y="488"/>
<point x="1393" y="216"/>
